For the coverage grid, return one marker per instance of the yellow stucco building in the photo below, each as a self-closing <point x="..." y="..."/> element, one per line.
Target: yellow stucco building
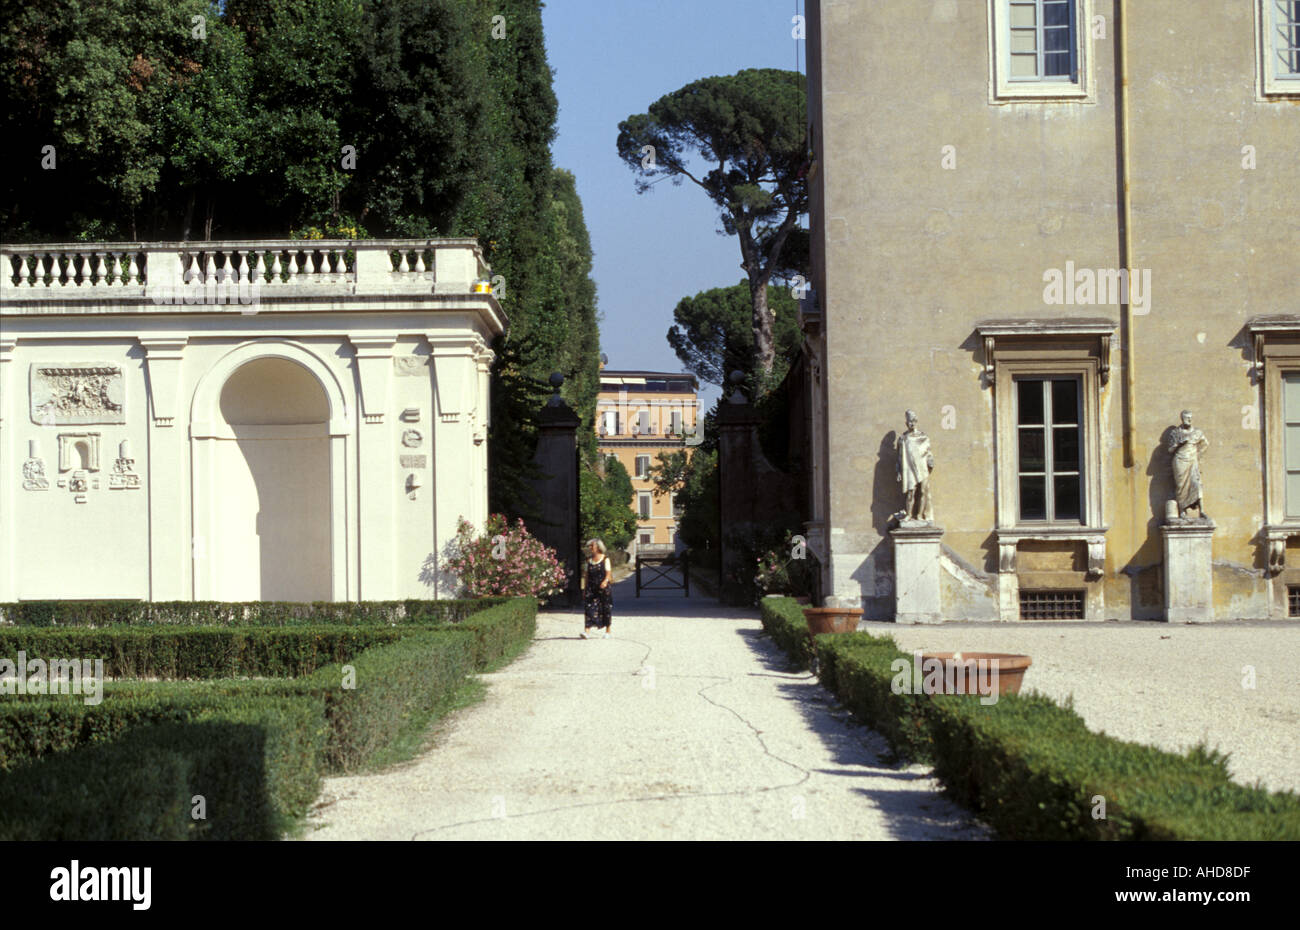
<point x="638" y="415"/>
<point x="1048" y="227"/>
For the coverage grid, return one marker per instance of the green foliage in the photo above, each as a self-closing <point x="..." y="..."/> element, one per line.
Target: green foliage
<point x="605" y="505"/>
<point x="1030" y="766"/>
<point x="160" y="135"/>
<point x="239" y="613"/>
<point x="693" y="477"/>
<point x="201" y="652"/>
<point x="748" y="130"/>
<point x="783" y="620"/>
<point x="713" y="333"/>
<point x="127" y="768"/>
<point x="255" y="762"/>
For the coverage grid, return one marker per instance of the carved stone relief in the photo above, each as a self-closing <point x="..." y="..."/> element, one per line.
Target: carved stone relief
<point x="72" y="457"/>
<point x="411" y="366"/>
<point x="413" y="461"/>
<point x="67" y="395"/>
<point x="34" y="475"/>
<point x="412" y="438"/>
<point x="123" y="476"/>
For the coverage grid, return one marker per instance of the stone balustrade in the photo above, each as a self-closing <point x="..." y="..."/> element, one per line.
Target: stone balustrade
<point x="108" y="270"/>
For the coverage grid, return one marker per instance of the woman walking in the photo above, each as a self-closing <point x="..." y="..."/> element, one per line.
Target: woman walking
<point x="598" y="597"/>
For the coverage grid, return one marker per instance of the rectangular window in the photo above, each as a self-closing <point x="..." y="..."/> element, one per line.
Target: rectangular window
<point x="1279" y="46"/>
<point x="675" y="421"/>
<point x="643" y="503"/>
<point x="610" y="424"/>
<point x="643" y="422"/>
<point x="643" y="466"/>
<point x="1041" y="40"/>
<point x="1291" y="442"/>
<point x="646" y="537"/>
<point x="1038" y="49"/>
<point x="1286" y="39"/>
<point x="1049" y="442"/>
<point x="678" y="506"/>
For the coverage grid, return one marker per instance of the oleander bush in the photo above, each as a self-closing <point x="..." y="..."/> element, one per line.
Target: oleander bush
<point x="1030" y="766"/>
<point x="231" y="613"/>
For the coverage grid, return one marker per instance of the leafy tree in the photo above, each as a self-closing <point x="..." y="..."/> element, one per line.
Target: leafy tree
<point x="163" y="134"/>
<point x="693" y="477"/>
<point x="749" y="131"/>
<point x="713" y="337"/>
<point x="606" y="505"/>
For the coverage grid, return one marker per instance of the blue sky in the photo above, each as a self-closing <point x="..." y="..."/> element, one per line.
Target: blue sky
<point x="613" y="58"/>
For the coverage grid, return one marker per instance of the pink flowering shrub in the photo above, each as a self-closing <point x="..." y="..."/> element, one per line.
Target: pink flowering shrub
<point x="504" y="561"/>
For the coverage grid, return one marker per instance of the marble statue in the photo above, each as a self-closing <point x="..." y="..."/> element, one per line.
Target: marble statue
<point x="1186" y="446"/>
<point x="915" y="463"/>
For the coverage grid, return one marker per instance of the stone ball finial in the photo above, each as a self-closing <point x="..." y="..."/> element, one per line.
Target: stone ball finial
<point x="556" y="380"/>
<point x="737" y="396"/>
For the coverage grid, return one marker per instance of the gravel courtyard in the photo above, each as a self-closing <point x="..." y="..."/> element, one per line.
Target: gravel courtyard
<point x="1168" y="685"/>
<point x="685" y="725"/>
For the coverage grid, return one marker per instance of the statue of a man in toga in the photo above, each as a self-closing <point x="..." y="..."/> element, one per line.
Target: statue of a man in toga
<point x="915" y="462"/>
<point x="1186" y="446"/>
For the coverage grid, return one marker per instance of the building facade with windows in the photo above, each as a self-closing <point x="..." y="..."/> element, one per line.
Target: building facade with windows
<point x="640" y="414"/>
<point x="1048" y="227"/>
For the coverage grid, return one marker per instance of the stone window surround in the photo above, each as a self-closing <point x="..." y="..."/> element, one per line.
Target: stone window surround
<point x="1002" y="90"/>
<point x="1276" y="353"/>
<point x="1269" y="87"/>
<point x="1038" y="348"/>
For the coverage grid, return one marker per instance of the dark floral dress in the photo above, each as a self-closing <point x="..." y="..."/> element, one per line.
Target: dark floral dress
<point x="598" y="601"/>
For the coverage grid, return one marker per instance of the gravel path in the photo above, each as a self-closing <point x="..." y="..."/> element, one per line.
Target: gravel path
<point x="1161" y="684"/>
<point x="685" y="725"/>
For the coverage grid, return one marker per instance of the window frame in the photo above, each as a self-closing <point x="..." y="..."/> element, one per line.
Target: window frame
<point x="1270" y="84"/>
<point x="1019" y="363"/>
<point x="1049" y="471"/>
<point x="645" y="512"/>
<point x="1003" y="88"/>
<point x="641" y="473"/>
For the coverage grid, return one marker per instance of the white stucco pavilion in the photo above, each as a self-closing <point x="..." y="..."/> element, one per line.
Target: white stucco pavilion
<point x="261" y="420"/>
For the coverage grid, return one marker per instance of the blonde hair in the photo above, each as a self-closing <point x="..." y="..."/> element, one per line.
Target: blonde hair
<point x="600" y="546"/>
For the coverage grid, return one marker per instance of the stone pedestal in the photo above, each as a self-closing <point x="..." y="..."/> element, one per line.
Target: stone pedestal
<point x="916" y="573"/>
<point x="1189" y="586"/>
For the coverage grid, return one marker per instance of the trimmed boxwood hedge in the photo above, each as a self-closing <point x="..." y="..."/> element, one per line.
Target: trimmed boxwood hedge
<point x="1031" y="767"/>
<point x="199" y="652"/>
<point x="230" y="613"/>
<point x="255" y="764"/>
<point x="783" y="620"/>
<point x="130" y="758"/>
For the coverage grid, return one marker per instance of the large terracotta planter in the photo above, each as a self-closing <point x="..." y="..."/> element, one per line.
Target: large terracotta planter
<point x="1011" y="671"/>
<point x="832" y="619"/>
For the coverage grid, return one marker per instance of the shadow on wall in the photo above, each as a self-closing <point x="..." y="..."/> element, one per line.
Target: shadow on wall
<point x="1145" y="567"/>
<point x="886" y="500"/>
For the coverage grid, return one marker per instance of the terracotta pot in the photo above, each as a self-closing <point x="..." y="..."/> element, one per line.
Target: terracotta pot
<point x="1011" y="671"/>
<point x="832" y="619"/>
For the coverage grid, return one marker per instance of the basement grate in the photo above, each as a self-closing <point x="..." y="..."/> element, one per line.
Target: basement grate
<point x="1293" y="600"/>
<point x="1051" y="605"/>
